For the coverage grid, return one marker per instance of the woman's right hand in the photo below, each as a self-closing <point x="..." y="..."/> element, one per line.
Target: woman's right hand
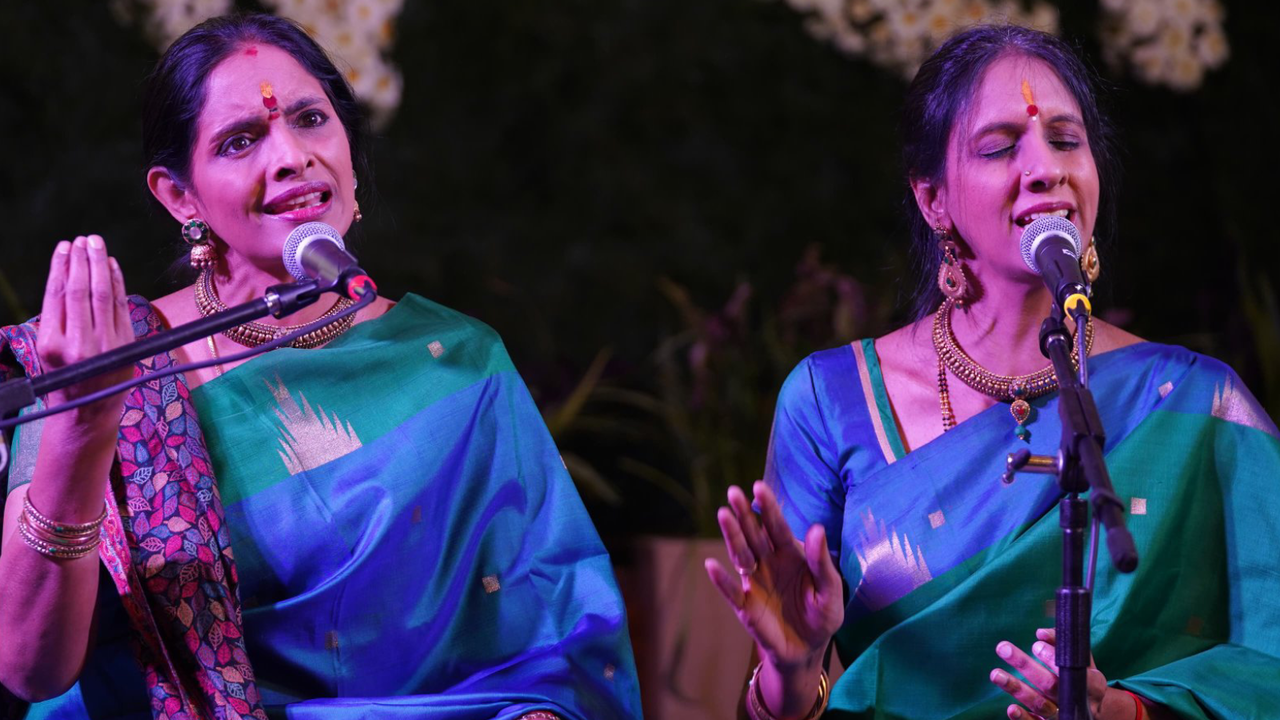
<point x="85" y="313"/>
<point x="786" y="594"/>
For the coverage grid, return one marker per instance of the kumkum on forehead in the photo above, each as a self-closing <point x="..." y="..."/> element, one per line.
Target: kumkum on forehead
<point x="1032" y="110"/>
<point x="269" y="99"/>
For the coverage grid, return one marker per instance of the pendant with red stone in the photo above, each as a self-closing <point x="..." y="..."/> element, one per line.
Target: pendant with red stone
<point x="1021" y="411"/>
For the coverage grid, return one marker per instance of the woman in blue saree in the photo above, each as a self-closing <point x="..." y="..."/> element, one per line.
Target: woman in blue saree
<point x="885" y="457"/>
<point x="407" y="542"/>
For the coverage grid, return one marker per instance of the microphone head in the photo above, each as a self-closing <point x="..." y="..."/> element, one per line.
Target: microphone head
<point x="299" y="238"/>
<point x="1039" y="229"/>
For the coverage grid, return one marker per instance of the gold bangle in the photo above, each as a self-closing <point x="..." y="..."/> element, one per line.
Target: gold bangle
<point x="57" y="551"/>
<point x="68" y="530"/>
<point x="757" y="710"/>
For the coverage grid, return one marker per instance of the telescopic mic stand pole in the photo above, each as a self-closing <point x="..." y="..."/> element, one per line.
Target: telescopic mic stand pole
<point x="1079" y="467"/>
<point x="1082" y="468"/>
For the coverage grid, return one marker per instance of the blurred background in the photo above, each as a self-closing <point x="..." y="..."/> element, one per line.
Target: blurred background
<point x="663" y="205"/>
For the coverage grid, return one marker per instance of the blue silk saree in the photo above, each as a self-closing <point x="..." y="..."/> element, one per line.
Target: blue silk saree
<point x="408" y="542"/>
<point x="942" y="560"/>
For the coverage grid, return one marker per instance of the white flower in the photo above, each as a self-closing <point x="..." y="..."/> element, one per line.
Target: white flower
<point x="1143" y="17"/>
<point x="1186" y="72"/>
<point x="1211" y="46"/>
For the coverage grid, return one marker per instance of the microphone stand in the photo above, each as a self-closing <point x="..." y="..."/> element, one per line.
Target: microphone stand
<point x="278" y="301"/>
<point x="1080" y="467"/>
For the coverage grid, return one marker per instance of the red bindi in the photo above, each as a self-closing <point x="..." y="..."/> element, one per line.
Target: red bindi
<point x="251" y="51"/>
<point x="1032" y="110"/>
<point x="268" y="98"/>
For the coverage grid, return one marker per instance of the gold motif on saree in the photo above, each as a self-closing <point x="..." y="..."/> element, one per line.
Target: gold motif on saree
<point x="891" y="568"/>
<point x="491" y="584"/>
<point x="1137" y="506"/>
<point x="1234" y="405"/>
<point x="937" y="519"/>
<point x="1165" y="389"/>
<point x="309" y="437"/>
<point x="331" y="640"/>
<point x="436" y="349"/>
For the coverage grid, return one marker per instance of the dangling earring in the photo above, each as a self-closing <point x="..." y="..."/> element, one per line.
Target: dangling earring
<point x="951" y="277"/>
<point x="1090" y="265"/>
<point x="356" y="215"/>
<point x="196" y="234"/>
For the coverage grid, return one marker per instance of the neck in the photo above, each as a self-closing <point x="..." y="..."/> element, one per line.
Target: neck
<point x="237" y="280"/>
<point x="1001" y="331"/>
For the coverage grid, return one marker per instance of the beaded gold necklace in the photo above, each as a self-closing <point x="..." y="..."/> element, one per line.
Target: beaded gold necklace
<point x="1013" y="389"/>
<point x="253" y="334"/>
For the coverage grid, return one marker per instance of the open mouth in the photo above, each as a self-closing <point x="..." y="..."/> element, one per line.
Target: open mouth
<point x="298" y="202"/>
<point x="1030" y="217"/>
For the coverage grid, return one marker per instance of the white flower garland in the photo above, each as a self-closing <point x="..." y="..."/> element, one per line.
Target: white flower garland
<point x="358" y="34"/>
<point x="900" y="34"/>
<point x="1165" y="42"/>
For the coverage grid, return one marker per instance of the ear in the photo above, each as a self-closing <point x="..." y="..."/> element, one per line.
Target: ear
<point x="175" y="196"/>
<point x="931" y="199"/>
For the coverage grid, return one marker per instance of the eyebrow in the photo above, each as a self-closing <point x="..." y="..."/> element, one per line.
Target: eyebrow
<point x="1014" y="127"/>
<point x="256" y="121"/>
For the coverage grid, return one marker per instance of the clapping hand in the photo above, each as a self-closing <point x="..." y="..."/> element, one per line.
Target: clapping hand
<point x="786" y="594"/>
<point x="85" y="313"/>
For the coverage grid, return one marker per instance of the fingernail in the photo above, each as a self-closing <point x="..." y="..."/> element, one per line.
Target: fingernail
<point x="95" y="242"/>
<point x="64" y="247"/>
<point x="1042" y="633"/>
<point x="1017" y="712"/>
<point x="1004" y="650"/>
<point x="1039" y="648"/>
<point x="115" y="264"/>
<point x="999" y="677"/>
<point x="80" y="242"/>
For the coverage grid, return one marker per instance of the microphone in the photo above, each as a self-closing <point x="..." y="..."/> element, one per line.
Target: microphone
<point x="1051" y="248"/>
<point x="315" y="251"/>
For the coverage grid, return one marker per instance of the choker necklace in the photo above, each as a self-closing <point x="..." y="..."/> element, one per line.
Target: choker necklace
<point x="253" y="334"/>
<point x="1013" y="389"/>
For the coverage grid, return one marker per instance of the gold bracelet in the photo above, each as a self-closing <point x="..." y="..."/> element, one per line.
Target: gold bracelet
<point x="64" y="529"/>
<point x="757" y="710"/>
<point x="540" y="715"/>
<point x="59" y="551"/>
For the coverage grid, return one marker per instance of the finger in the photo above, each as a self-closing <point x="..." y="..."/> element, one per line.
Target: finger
<point x="1048" y="635"/>
<point x="101" y="288"/>
<point x="79" y="320"/>
<point x="730" y="587"/>
<point x="123" y="325"/>
<point x="1034" y="673"/>
<point x="779" y="533"/>
<point x="53" y="311"/>
<point x="739" y="554"/>
<point x="817" y="555"/>
<point x="1044" y="652"/>
<point x="749" y="523"/>
<point x="1034" y="700"/>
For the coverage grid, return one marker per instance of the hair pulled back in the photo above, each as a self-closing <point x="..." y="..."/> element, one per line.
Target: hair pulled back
<point x="940" y="94"/>
<point x="175" y="91"/>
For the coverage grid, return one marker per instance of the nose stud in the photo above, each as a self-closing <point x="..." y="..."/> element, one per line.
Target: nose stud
<point x="1027" y="173"/>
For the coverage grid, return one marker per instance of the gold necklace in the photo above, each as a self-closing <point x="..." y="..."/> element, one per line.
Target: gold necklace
<point x="1013" y="389"/>
<point x="253" y="334"/>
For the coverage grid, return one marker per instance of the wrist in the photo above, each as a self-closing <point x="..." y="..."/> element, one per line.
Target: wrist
<point x="789" y="692"/>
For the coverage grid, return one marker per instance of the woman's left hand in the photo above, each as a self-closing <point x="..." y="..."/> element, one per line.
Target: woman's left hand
<point x="1038" y="692"/>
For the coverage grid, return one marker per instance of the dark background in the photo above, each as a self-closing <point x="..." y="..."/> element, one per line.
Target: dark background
<point x="595" y="179"/>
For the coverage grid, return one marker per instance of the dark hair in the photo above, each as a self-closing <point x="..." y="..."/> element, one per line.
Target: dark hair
<point x="175" y="91"/>
<point x="940" y="93"/>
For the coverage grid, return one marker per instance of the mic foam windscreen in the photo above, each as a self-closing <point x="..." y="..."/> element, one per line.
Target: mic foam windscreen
<point x="1041" y="228"/>
<point x="298" y="239"/>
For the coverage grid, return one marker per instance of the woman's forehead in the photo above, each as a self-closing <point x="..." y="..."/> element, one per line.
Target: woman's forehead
<point x="1013" y="82"/>
<point x="235" y="87"/>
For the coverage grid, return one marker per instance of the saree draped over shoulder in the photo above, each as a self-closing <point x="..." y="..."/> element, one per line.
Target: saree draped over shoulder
<point x="942" y="561"/>
<point x="407" y="541"/>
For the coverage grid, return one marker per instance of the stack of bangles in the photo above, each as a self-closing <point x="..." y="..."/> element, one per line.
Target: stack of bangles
<point x="756" y="709"/>
<point x="58" y="540"/>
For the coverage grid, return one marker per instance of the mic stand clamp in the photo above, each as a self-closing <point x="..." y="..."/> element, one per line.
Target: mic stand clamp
<point x="1080" y="467"/>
